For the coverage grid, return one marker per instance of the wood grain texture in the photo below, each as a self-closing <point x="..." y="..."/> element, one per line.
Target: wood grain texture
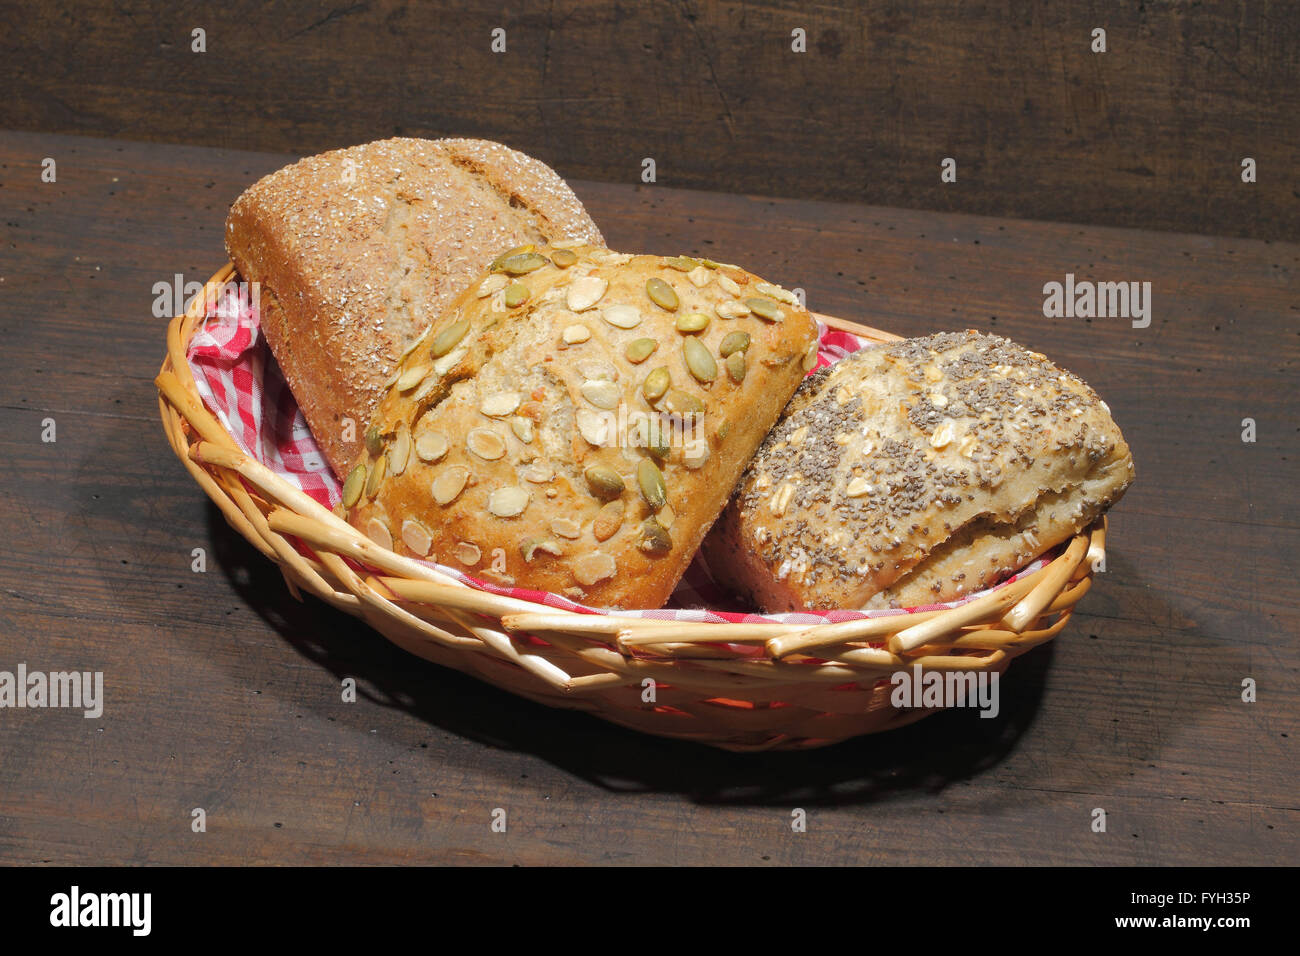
<point x="1150" y="134"/>
<point x="224" y="693"/>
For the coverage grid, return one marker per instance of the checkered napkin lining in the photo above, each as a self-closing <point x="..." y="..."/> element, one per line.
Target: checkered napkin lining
<point x="241" y="383"/>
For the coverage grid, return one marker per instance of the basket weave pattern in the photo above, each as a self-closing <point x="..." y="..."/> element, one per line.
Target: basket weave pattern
<point x="753" y="686"/>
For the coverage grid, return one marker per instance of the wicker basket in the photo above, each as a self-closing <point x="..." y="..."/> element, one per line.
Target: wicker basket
<point x="807" y="686"/>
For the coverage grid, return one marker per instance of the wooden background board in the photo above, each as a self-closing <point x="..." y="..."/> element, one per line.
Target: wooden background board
<point x="224" y="693"/>
<point x="1150" y="134"/>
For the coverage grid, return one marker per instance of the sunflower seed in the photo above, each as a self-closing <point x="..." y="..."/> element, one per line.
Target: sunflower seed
<point x="537" y="473"/>
<point x="516" y="295"/>
<point x="699" y="277"/>
<point x="585" y="292"/>
<point x="376" y="478"/>
<point x="575" y="334"/>
<point x="765" y="309"/>
<point x="530" y="548"/>
<point x="736" y="366"/>
<point x="399" y="451"/>
<point x="731" y="309"/>
<point x="698" y="360"/>
<point x="450" y="360"/>
<point x="638" y="350"/>
<point x="493" y="283"/>
<point x="378" y="532"/>
<point x="943" y="435"/>
<point x="608" y="520"/>
<point x="598" y="369"/>
<point x="857" y="488"/>
<point x="651" y="482"/>
<point x="564" y="257"/>
<point x="604" y="482"/>
<point x="412" y="377"/>
<point x="520" y="264"/>
<point x="522" y="427"/>
<point x="508" y="502"/>
<point x="656" y="384"/>
<point x="733" y="342"/>
<point x="449" y="484"/>
<point x="776" y="292"/>
<point x="592" y="426"/>
<point x="654" y="538"/>
<point x="450" y="337"/>
<point x="356" y="481"/>
<point x="781" y="500"/>
<point x="594" y="567"/>
<point x="661" y="293"/>
<point x="566" y="528"/>
<point x="809" y="358"/>
<point x="468" y="554"/>
<point x="430" y="445"/>
<point x="416" y="537"/>
<point x="601" y="393"/>
<point x="695" y="453"/>
<point x="728" y="285"/>
<point x="692" y="322"/>
<point x="485" y="443"/>
<point x="621" y="316"/>
<point x="499" y="404"/>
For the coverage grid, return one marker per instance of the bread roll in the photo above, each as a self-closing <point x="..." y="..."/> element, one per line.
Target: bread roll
<point x="576" y="420"/>
<point x="356" y="250"/>
<point x="917" y="472"/>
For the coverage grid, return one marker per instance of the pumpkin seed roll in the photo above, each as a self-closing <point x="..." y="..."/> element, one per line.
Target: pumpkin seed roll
<point x="917" y="472"/>
<point x="577" y="418"/>
<point x="356" y="250"/>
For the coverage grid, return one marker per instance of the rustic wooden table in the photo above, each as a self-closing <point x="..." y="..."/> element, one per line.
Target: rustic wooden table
<point x="222" y="692"/>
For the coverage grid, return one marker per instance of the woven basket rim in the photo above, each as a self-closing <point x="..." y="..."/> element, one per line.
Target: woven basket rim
<point x="575" y="654"/>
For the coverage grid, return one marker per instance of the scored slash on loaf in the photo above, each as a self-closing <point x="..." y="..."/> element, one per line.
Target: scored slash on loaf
<point x="356" y="251"/>
<point x="576" y="420"/>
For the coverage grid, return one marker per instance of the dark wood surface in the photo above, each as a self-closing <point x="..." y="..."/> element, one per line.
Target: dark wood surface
<point x="1149" y="134"/>
<point x="223" y="693"/>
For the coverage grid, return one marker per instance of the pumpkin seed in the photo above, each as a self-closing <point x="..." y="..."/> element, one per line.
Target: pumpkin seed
<point x="374" y="440"/>
<point x="468" y="554"/>
<point x="765" y="309"/>
<point x="621" y="316"/>
<point x="698" y="360"/>
<point x="450" y="337"/>
<point x="356" y="481"/>
<point x="608" y="520"/>
<point x="516" y="295"/>
<point x="520" y="264"/>
<point x="566" y="528"/>
<point x="508" y="502"/>
<point x="399" y="451"/>
<point x="378" y="532"/>
<point x="564" y="257"/>
<point x="692" y="322"/>
<point x="575" y="334"/>
<point x="485" y="443"/>
<point x="605" y="483"/>
<point x="601" y="393"/>
<point x="412" y="377"/>
<point x="651" y="481"/>
<point x="585" y="292"/>
<point x="598" y="369"/>
<point x="450" y="360"/>
<point x="655" y="436"/>
<point x="656" y="384"/>
<point x="661" y="293"/>
<point x="677" y="402"/>
<point x="733" y="342"/>
<point x="654" y="538"/>
<point x="695" y="454"/>
<point x="708" y="263"/>
<point x="416" y="537"/>
<point x="723" y="430"/>
<point x="376" y="478"/>
<point x="681" y="263"/>
<point x="430" y="445"/>
<point x="537" y="473"/>
<point x="594" y="567"/>
<point x="513" y="251"/>
<point x="530" y="548"/>
<point x="638" y="350"/>
<point x="449" y="484"/>
<point x="493" y="283"/>
<point x="736" y="366"/>
<point x="499" y="404"/>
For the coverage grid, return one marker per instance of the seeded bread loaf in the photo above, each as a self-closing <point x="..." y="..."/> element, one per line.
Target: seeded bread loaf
<point x="356" y="250"/>
<point x="576" y="420"/>
<point x="917" y="472"/>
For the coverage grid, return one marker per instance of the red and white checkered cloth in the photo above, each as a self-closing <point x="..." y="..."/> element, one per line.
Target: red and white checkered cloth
<point x="241" y="383"/>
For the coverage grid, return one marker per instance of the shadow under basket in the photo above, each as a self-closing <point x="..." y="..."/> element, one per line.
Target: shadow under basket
<point x="738" y="686"/>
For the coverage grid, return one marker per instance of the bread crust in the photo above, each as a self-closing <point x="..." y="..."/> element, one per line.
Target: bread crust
<point x="356" y="250"/>
<point x="535" y="469"/>
<point x="916" y="472"/>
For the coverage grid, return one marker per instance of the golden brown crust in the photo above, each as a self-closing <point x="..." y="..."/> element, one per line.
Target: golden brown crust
<point x="916" y="472"/>
<point x="356" y="250"/>
<point x="513" y="445"/>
